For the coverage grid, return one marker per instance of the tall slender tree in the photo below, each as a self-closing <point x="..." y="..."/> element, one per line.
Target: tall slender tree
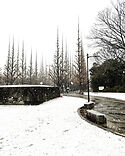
<point x="55" y="69"/>
<point x="22" y="64"/>
<point x="66" y="69"/>
<point x="36" y="70"/>
<point x="31" y="69"/>
<point x="70" y="73"/>
<point x="25" y="69"/>
<point x="62" y="68"/>
<point x="17" y="67"/>
<point x="57" y="63"/>
<point x="77" y="64"/>
<point x="83" y="72"/>
<point x="7" y="67"/>
<point x="12" y="65"/>
<point x="80" y="65"/>
<point x="41" y="73"/>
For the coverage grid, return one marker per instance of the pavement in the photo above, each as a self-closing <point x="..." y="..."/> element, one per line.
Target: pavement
<point x="54" y="128"/>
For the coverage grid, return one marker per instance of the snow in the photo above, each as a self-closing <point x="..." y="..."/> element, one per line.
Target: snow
<point x="54" y="128"/>
<point x="95" y="112"/>
<point x="120" y="96"/>
<point x="9" y="86"/>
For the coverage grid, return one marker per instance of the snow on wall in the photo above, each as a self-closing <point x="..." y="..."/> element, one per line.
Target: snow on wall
<point x="27" y="94"/>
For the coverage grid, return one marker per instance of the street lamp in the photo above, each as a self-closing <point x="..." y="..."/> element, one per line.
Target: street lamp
<point x="88" y="75"/>
<point x="88" y="78"/>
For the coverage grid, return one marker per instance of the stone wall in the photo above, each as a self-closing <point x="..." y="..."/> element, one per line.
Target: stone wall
<point x="27" y="94"/>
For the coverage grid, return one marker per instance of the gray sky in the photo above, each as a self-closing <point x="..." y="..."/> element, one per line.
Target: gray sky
<point x="36" y="22"/>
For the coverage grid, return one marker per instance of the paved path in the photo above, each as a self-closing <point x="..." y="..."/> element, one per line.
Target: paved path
<point x="55" y="129"/>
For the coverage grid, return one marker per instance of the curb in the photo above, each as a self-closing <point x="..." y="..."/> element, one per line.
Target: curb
<point x="99" y="126"/>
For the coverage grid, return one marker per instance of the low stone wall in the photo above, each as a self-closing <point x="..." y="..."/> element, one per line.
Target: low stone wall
<point x="89" y="105"/>
<point x="27" y="94"/>
<point x="96" y="117"/>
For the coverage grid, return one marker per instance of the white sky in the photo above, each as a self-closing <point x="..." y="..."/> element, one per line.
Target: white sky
<point x="36" y="21"/>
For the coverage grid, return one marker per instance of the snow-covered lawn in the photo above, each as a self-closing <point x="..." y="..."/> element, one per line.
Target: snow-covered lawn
<point x="120" y="96"/>
<point x="55" y="129"/>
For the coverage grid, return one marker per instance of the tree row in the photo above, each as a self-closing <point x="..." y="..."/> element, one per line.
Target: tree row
<point x="65" y="72"/>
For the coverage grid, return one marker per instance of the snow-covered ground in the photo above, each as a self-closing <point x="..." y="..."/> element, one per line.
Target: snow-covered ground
<point x="55" y="129"/>
<point x="120" y="96"/>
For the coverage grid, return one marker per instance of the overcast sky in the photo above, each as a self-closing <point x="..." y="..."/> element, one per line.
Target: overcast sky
<point x="36" y="22"/>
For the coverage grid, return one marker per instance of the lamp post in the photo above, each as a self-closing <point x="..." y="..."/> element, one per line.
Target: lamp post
<point x="88" y="75"/>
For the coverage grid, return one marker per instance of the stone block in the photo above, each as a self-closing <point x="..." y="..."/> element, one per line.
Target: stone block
<point x="96" y="117"/>
<point x="89" y="105"/>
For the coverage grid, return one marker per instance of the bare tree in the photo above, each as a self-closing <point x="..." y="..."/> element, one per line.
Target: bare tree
<point x="7" y="67"/>
<point x="108" y="34"/>
<point x="22" y="64"/>
<point x="41" y="73"/>
<point x="25" y="70"/>
<point x="18" y="61"/>
<point x="62" y="68"/>
<point x="30" y="69"/>
<point x="77" y="64"/>
<point x="55" y="68"/>
<point x="12" y="66"/>
<point x="83" y="72"/>
<point x="66" y="70"/>
<point x="17" y="67"/>
<point x="36" y="71"/>
<point x="47" y="79"/>
<point x="80" y="65"/>
<point x="57" y="62"/>
<point x="72" y="75"/>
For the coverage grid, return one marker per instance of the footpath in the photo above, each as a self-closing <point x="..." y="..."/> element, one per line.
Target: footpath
<point x="54" y="128"/>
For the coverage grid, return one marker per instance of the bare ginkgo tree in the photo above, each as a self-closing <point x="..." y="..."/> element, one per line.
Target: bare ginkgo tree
<point x="80" y="64"/>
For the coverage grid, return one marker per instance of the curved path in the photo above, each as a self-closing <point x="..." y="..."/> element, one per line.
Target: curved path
<point x="55" y="129"/>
